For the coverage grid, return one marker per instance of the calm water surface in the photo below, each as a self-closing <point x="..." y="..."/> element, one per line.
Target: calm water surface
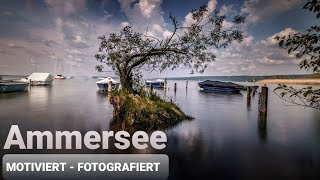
<point x="222" y="142"/>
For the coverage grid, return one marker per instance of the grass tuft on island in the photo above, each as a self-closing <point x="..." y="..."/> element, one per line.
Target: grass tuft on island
<point x="146" y="111"/>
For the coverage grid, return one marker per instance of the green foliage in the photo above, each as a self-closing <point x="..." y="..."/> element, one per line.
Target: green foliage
<point x="128" y="52"/>
<point x="313" y="76"/>
<point x="280" y="77"/>
<point x="308" y="97"/>
<point x="305" y="46"/>
<point x="146" y="111"/>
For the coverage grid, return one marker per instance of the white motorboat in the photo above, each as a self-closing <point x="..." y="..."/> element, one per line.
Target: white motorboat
<point x="103" y="84"/>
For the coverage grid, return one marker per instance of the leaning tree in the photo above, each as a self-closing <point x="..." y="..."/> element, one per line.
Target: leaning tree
<point x="128" y="52"/>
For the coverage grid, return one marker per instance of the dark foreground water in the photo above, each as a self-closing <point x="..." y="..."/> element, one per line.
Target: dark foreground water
<point x="222" y="142"/>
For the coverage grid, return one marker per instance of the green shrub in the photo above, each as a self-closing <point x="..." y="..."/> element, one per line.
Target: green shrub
<point x="146" y="111"/>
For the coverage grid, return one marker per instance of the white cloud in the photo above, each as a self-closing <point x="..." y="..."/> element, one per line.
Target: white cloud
<point x="257" y="10"/>
<point x="167" y="33"/>
<point x="145" y="15"/>
<point x="272" y="41"/>
<point x="188" y="20"/>
<point x="73" y="51"/>
<point x="78" y="39"/>
<point x="148" y="6"/>
<point x="124" y="24"/>
<point x="247" y="41"/>
<point x="227" y="10"/>
<point x="267" y="61"/>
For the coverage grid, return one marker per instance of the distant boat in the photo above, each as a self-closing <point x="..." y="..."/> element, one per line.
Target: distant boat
<point x="11" y="86"/>
<point x="103" y="84"/>
<point x="38" y="79"/>
<point x="158" y="83"/>
<point x="60" y="77"/>
<point x="218" y="86"/>
<point x="69" y="77"/>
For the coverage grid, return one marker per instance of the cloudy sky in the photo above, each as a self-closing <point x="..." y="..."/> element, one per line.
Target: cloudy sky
<point x="60" y="36"/>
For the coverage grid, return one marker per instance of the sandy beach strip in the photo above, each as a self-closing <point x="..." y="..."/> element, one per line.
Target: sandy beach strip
<point x="290" y="81"/>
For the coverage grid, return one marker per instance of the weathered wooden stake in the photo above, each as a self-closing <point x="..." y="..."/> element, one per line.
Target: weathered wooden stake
<point x="175" y="87"/>
<point x="263" y="107"/>
<point x="110" y="86"/>
<point x="186" y="84"/>
<point x="165" y="83"/>
<point x="151" y="87"/>
<point x="249" y="89"/>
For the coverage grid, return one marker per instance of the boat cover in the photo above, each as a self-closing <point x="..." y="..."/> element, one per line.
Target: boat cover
<point x="45" y="77"/>
<point x="220" y="84"/>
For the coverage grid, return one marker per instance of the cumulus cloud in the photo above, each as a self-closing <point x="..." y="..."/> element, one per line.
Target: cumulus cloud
<point x="73" y="51"/>
<point x="148" y="6"/>
<point x="124" y="24"/>
<point x="268" y="61"/>
<point x="257" y="10"/>
<point x="227" y="10"/>
<point x="145" y="16"/>
<point x="143" y="11"/>
<point x="272" y="41"/>
<point x="211" y="6"/>
<point x="70" y="37"/>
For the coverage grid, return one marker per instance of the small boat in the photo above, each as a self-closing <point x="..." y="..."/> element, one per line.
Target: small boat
<point x="158" y="83"/>
<point x="11" y="86"/>
<point x="69" y="77"/>
<point x="218" y="86"/>
<point x="60" y="77"/>
<point x="38" y="79"/>
<point x="103" y="84"/>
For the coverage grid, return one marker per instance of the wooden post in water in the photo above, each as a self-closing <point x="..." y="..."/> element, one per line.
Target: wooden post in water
<point x="186" y="84"/>
<point x="165" y="83"/>
<point x="175" y="87"/>
<point x="110" y="86"/>
<point x="263" y="107"/>
<point x="249" y="89"/>
<point x="151" y="87"/>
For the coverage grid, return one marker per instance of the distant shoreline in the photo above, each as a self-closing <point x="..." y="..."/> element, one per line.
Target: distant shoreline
<point x="299" y="81"/>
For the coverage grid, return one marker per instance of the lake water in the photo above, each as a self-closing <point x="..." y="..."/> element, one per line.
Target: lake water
<point x="222" y="142"/>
